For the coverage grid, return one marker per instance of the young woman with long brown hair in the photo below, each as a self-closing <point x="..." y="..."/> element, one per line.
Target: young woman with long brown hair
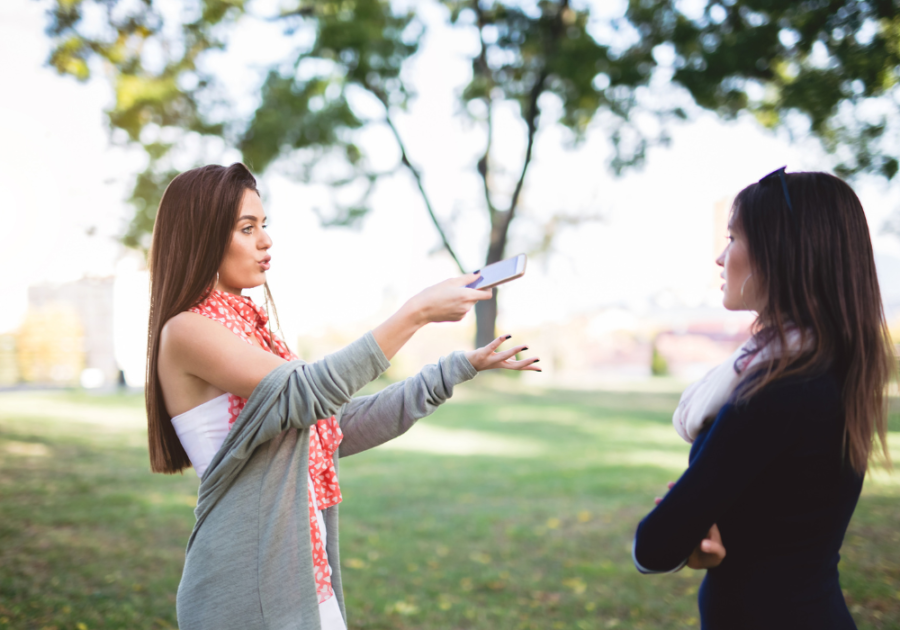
<point x="782" y="432"/>
<point x="262" y="429"/>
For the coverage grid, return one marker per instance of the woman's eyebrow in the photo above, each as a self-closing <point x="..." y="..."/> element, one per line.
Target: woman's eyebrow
<point x="250" y="217"/>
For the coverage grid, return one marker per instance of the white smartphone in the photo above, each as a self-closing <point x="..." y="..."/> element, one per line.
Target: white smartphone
<point x="500" y="272"/>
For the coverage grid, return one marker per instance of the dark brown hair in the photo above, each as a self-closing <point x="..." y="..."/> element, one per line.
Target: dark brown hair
<point x="193" y="229"/>
<point x="814" y="269"/>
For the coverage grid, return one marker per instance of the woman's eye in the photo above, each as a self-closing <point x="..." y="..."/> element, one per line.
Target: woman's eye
<point x="248" y="229"/>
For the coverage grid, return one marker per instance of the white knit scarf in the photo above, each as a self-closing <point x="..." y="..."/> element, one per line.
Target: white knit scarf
<point x="701" y="402"/>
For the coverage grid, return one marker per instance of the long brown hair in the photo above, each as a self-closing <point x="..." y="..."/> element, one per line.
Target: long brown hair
<point x="813" y="266"/>
<point x="193" y="229"/>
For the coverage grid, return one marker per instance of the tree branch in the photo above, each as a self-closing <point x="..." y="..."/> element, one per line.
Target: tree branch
<point x="484" y="162"/>
<point x="534" y="112"/>
<point x="418" y="177"/>
<point x="482" y="68"/>
<point x="531" y="121"/>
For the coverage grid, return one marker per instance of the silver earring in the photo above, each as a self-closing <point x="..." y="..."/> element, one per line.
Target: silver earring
<point x="742" y="292"/>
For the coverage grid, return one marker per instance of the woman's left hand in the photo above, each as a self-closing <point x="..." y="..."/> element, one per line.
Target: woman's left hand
<point x="487" y="358"/>
<point x="710" y="552"/>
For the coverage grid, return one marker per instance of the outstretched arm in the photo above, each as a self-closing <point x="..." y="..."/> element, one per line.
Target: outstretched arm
<point x="369" y="421"/>
<point x="196" y="352"/>
<point x="448" y="301"/>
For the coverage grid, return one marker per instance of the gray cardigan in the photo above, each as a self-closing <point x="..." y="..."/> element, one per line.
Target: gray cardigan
<point x="249" y="561"/>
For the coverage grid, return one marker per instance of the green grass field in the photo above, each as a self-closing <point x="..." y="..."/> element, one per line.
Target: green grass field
<point x="500" y="511"/>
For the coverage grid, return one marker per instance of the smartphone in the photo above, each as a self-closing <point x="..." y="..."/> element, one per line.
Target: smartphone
<point x="500" y="272"/>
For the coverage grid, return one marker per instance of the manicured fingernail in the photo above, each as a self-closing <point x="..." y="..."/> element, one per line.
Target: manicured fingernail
<point x="536" y="361"/>
<point x="509" y="336"/>
<point x="525" y="348"/>
<point x="539" y="370"/>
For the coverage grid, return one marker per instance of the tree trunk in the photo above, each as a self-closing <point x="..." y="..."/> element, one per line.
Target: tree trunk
<point x="486" y="321"/>
<point x="486" y="311"/>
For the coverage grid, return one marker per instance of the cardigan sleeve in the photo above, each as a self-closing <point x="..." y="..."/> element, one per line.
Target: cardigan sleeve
<point x="742" y="442"/>
<point x="297" y="395"/>
<point x="368" y="421"/>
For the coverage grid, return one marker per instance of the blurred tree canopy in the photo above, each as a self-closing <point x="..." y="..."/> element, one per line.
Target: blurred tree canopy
<point x="828" y="67"/>
<point x="823" y="67"/>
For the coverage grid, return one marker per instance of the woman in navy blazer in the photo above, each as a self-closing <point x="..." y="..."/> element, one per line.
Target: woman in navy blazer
<point x="775" y="475"/>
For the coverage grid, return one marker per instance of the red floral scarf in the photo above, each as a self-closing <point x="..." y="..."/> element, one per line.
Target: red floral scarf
<point x="248" y="321"/>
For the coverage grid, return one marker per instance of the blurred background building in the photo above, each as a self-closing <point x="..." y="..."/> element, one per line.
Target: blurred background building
<point x="92" y="333"/>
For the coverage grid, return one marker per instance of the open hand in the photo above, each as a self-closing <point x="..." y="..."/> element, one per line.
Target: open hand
<point x="488" y="358"/>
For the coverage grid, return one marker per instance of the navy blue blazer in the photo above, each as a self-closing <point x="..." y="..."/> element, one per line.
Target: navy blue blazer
<point x="773" y="475"/>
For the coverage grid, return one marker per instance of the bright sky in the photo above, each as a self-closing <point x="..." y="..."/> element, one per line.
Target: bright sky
<point x="64" y="188"/>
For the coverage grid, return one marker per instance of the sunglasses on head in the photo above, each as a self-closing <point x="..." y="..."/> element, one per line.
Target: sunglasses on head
<point x="780" y="173"/>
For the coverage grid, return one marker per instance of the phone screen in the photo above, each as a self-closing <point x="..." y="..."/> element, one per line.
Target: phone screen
<point x="496" y="272"/>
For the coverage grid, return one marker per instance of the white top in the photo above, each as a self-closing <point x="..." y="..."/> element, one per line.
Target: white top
<point x="202" y="431"/>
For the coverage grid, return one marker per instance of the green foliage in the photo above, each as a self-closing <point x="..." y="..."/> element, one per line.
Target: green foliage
<point x="286" y="120"/>
<point x="304" y="109"/>
<point x="361" y="44"/>
<point x="162" y="90"/>
<point x="551" y="51"/>
<point x="305" y="106"/>
<point x="833" y="62"/>
<point x="825" y="67"/>
<point x="148" y="189"/>
<point x="658" y="364"/>
<point x="145" y="93"/>
<point x="827" y="60"/>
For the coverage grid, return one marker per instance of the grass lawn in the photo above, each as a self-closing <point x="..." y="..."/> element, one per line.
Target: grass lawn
<point x="500" y="511"/>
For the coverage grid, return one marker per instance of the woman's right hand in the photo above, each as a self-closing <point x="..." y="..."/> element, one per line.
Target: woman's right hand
<point x="447" y="301"/>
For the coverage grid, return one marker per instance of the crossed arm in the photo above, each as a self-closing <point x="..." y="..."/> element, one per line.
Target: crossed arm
<point x="741" y="443"/>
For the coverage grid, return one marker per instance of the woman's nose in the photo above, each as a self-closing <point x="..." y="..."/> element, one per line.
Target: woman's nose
<point x="721" y="259"/>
